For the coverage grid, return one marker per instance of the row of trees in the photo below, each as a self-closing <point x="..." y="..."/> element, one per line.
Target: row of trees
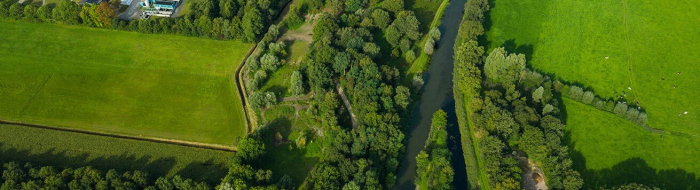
<point x="621" y="108"/>
<point x="28" y="176"/>
<point x="224" y="20"/>
<point x="510" y="117"/>
<point x="433" y="162"/>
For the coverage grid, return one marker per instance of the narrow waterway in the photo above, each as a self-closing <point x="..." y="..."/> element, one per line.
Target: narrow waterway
<point x="436" y="94"/>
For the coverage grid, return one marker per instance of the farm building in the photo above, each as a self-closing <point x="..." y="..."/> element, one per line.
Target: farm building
<point x="159" y="7"/>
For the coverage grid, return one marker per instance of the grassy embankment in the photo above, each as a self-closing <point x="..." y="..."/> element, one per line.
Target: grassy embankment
<point x="610" y="46"/>
<point x="429" y="14"/>
<point x="125" y="83"/>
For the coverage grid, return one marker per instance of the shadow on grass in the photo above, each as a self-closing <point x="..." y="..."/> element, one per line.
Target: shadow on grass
<point x="634" y="170"/>
<point x="207" y="171"/>
<point x="286" y="158"/>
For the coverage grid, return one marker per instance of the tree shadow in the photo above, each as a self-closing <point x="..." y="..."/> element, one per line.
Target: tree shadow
<point x="286" y="158"/>
<point x="526" y="49"/>
<point x="487" y="23"/>
<point x="632" y="170"/>
<point x="156" y="167"/>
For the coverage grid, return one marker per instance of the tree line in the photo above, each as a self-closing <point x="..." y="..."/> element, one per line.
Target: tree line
<point x="28" y="176"/>
<point x="622" y="108"/>
<point x="241" y="20"/>
<point x="511" y="117"/>
<point x="434" y="170"/>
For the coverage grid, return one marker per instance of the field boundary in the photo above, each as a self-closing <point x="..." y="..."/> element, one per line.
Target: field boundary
<point x="147" y="139"/>
<point x="239" y="77"/>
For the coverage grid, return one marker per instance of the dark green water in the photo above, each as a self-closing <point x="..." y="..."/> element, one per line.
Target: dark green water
<point x="436" y="94"/>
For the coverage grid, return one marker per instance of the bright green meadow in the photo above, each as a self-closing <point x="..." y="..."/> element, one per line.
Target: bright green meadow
<point x="126" y="83"/>
<point x="653" y="39"/>
<point x="67" y="149"/>
<point x="609" y="150"/>
<point x="609" y="47"/>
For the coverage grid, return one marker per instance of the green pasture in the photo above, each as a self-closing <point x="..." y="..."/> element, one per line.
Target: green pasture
<point x="646" y="43"/>
<point x="119" y="82"/>
<point x="610" y="151"/>
<point x="67" y="149"/>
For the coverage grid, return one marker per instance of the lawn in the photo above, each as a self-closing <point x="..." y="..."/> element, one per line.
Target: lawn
<point x="68" y="149"/>
<point x="279" y="81"/>
<point x="610" y="151"/>
<point x="119" y="82"/>
<point x="647" y="43"/>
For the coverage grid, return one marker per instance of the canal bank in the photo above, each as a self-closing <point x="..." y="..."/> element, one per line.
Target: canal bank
<point x="436" y="94"/>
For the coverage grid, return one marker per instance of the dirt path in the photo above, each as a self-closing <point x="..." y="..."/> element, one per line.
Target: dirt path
<point x="139" y="138"/>
<point x="297" y="107"/>
<point x="347" y="104"/>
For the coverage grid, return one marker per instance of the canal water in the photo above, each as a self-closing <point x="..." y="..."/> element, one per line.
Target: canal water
<point x="436" y="94"/>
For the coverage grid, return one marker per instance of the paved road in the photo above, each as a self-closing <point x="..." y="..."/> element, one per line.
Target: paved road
<point x="133" y="12"/>
<point x="176" y="13"/>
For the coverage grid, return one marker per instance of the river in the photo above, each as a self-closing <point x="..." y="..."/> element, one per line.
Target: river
<point x="436" y="94"/>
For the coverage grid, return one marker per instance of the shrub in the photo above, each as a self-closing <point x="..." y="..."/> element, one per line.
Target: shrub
<point x="558" y="86"/>
<point x="641" y="119"/>
<point x="599" y="104"/>
<point x="632" y="114"/>
<point x="410" y="56"/>
<point x="547" y="109"/>
<point x="435" y="34"/>
<point x="429" y="47"/>
<point x="620" y="109"/>
<point x="269" y="62"/>
<point x="262" y="99"/>
<point x="609" y="106"/>
<point x="565" y="90"/>
<point x="297" y="86"/>
<point x="576" y="93"/>
<point x="588" y="97"/>
<point x="418" y="81"/>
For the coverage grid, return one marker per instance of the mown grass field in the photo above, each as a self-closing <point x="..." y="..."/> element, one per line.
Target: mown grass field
<point x="68" y="149"/>
<point x="610" y="151"/>
<point x="121" y="82"/>
<point x="570" y="40"/>
<point x="647" y="43"/>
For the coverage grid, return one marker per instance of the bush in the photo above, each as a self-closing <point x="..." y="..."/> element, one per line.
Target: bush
<point x="429" y="47"/>
<point x="576" y="93"/>
<point x="269" y="62"/>
<point x="599" y="104"/>
<point x="565" y="90"/>
<point x="620" y="109"/>
<point x="558" y="86"/>
<point x="410" y="56"/>
<point x="547" y="109"/>
<point x="609" y="106"/>
<point x="434" y="34"/>
<point x="632" y="114"/>
<point x="262" y="99"/>
<point x="641" y="119"/>
<point x="588" y="97"/>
